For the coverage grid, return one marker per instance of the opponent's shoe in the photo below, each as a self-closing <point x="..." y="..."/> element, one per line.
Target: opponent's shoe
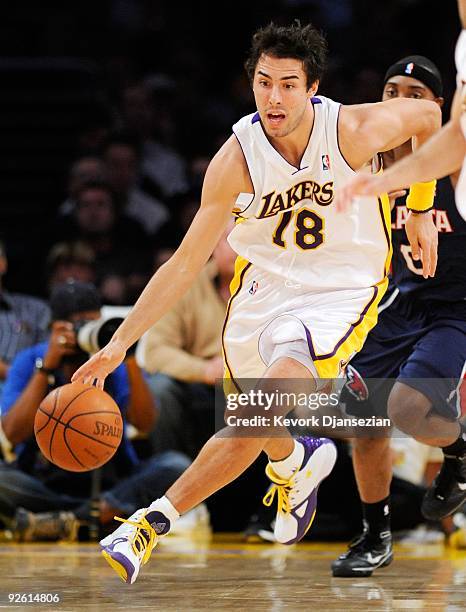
<point x="34" y="527"/>
<point x="363" y="556"/>
<point x="131" y="545"/>
<point x="448" y="491"/>
<point x="297" y="496"/>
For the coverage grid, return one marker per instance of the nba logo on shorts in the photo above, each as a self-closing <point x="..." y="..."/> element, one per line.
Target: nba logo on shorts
<point x="325" y="162"/>
<point x="409" y="68"/>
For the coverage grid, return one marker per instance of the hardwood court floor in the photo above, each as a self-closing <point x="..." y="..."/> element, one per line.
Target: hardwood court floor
<point x="225" y="574"/>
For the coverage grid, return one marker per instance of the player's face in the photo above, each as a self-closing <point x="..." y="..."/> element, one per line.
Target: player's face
<point x="281" y="94"/>
<point x="407" y="87"/>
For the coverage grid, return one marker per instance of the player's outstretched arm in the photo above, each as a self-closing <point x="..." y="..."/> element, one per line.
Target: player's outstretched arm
<point x="382" y="127"/>
<point x="440" y="155"/>
<point x="367" y="129"/>
<point x="225" y="178"/>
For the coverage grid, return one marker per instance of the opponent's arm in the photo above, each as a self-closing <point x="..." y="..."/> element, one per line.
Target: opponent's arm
<point x="225" y="178"/>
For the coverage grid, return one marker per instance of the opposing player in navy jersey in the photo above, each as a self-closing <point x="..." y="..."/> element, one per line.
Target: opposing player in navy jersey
<point x="419" y="341"/>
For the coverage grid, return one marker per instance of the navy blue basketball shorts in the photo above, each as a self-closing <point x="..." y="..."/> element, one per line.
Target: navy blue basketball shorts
<point x="421" y="345"/>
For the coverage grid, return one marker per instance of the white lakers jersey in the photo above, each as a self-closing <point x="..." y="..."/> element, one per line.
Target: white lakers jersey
<point x="460" y="60"/>
<point x="289" y="226"/>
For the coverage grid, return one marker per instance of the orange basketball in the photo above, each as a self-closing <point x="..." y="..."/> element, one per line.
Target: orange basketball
<point x="78" y="427"/>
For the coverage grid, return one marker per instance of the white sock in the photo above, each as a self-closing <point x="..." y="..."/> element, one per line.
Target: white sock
<point x="164" y="505"/>
<point x="286" y="467"/>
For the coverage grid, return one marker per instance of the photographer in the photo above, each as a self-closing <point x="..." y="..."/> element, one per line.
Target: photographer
<point x="23" y="320"/>
<point x="33" y="485"/>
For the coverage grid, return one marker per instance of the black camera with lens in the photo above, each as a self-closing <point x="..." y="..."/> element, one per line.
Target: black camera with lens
<point x="91" y="336"/>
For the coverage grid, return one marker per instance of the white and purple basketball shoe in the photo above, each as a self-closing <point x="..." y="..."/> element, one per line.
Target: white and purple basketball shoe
<point x="297" y="497"/>
<point x="131" y="545"/>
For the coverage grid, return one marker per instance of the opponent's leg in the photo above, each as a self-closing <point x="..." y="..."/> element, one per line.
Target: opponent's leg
<point x="373" y="549"/>
<point x="411" y="411"/>
<point x="372" y="463"/>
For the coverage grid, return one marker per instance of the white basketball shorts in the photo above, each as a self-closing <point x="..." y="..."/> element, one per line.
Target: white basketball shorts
<point x="269" y="317"/>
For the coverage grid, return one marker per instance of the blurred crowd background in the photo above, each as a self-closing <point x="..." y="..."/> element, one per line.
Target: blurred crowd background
<point x="136" y="96"/>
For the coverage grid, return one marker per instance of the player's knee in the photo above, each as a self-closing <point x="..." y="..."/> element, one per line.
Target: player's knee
<point x="401" y="419"/>
<point x="407" y="408"/>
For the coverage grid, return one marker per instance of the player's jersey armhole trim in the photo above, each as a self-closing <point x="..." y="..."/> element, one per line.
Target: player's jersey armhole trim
<point x="254" y="186"/>
<point x="337" y="139"/>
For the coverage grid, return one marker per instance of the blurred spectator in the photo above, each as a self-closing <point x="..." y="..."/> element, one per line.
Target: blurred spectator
<point x="197" y="168"/>
<point x="95" y="124"/>
<point x="162" y="165"/>
<point x="183" y="207"/>
<point x="83" y="170"/>
<point x="32" y="484"/>
<point x="122" y="163"/>
<point x="366" y="84"/>
<point x="184" y="352"/>
<point x="120" y="243"/>
<point x="241" y="95"/>
<point x="23" y="321"/>
<point x="162" y="255"/>
<point x="70" y="261"/>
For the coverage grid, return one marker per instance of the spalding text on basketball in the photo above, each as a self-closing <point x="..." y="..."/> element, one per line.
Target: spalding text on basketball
<point x="104" y="429"/>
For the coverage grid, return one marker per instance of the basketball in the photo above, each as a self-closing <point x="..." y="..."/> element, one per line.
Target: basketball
<point x="78" y="427"/>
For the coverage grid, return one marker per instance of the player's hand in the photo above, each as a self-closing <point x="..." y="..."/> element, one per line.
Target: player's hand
<point x="423" y="237"/>
<point x="100" y="365"/>
<point x="394" y="195"/>
<point x="362" y="184"/>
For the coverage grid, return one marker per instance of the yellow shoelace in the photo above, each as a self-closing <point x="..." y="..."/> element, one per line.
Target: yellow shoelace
<point x="280" y="488"/>
<point x="137" y="539"/>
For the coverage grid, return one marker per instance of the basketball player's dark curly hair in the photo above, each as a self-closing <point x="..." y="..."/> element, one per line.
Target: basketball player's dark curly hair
<point x="296" y="41"/>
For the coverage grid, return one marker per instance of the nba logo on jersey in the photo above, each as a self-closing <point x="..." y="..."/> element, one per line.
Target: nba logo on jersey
<point x="409" y="68"/>
<point x="254" y="287"/>
<point x="325" y="162"/>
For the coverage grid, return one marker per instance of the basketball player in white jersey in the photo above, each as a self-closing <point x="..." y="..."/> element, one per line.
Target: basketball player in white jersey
<point x="443" y="155"/>
<point x="307" y="283"/>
